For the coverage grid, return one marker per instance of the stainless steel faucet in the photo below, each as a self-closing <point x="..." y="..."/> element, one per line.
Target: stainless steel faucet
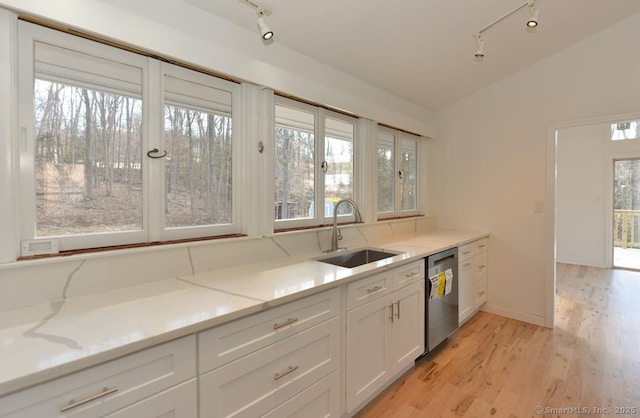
<point x="336" y="233"/>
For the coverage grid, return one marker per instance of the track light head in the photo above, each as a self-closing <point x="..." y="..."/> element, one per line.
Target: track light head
<point x="535" y="13"/>
<point x="480" y="46"/>
<point x="265" y="32"/>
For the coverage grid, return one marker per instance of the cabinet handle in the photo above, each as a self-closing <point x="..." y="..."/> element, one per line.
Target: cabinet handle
<point x="285" y="323"/>
<point x="467" y="264"/>
<point x="481" y="293"/>
<point x="482" y="246"/>
<point x="280" y="375"/>
<point x="391" y="317"/>
<point x="412" y="274"/>
<point x="374" y="289"/>
<point x="72" y="404"/>
<point x="482" y="266"/>
<point x="398" y="313"/>
<point x="466" y="252"/>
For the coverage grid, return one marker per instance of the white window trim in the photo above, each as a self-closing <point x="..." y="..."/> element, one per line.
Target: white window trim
<point x="398" y="137"/>
<point x="152" y="137"/>
<point x="320" y="115"/>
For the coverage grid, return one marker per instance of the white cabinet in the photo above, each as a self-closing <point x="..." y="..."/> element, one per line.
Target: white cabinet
<point x="180" y="401"/>
<point x="143" y="381"/>
<point x="256" y="365"/>
<point x="386" y="334"/>
<point x="472" y="273"/>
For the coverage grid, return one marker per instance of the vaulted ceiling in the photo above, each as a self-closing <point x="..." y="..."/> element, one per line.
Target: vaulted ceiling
<point x="423" y="50"/>
<point x="419" y="50"/>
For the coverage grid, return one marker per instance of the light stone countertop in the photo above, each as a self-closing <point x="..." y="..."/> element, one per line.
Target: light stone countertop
<point x="47" y="341"/>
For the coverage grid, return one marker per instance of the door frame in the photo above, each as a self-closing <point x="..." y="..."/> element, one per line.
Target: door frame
<point x="550" y="219"/>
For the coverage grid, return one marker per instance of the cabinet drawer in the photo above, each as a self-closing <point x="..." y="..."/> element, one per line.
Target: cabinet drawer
<point x="320" y="400"/>
<point x="257" y="383"/>
<point x="480" y="289"/>
<point x="480" y="246"/>
<point x="180" y="401"/>
<point x="236" y="339"/>
<point x="480" y="263"/>
<point x="108" y="387"/>
<point x="465" y="251"/>
<point x="410" y="273"/>
<point x="368" y="289"/>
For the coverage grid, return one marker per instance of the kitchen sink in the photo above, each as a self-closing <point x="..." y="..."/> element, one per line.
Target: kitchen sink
<point x="357" y="258"/>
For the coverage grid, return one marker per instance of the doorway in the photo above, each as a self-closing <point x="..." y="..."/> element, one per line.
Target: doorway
<point x="626" y="213"/>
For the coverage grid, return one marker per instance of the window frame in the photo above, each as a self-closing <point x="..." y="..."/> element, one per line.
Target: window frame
<point x="320" y="138"/>
<point x="152" y="93"/>
<point x="398" y="138"/>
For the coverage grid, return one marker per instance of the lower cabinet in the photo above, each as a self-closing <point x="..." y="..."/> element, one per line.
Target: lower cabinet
<point x="151" y="383"/>
<point x="297" y="374"/>
<point x="472" y="273"/>
<point x="384" y="337"/>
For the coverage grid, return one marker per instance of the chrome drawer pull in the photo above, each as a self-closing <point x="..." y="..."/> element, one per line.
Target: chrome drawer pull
<point x="374" y="289"/>
<point x="398" y="313"/>
<point x="482" y="266"/>
<point x="391" y="317"/>
<point x="467" y="264"/>
<point x="284" y="373"/>
<point x="482" y="246"/>
<point x="466" y="252"/>
<point x="285" y="323"/>
<point x="72" y="404"/>
<point x="412" y="274"/>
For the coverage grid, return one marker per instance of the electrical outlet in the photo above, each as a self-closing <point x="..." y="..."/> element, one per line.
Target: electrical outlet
<point x="538" y="206"/>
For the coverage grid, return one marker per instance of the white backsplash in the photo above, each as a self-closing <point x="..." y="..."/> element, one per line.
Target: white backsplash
<point x="29" y="283"/>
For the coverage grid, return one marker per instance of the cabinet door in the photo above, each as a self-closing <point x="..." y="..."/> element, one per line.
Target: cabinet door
<point x="407" y="326"/>
<point x="368" y="330"/>
<point x="466" y="277"/>
<point x="180" y="401"/>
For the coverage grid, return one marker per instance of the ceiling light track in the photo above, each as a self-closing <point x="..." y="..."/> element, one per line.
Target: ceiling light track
<point x="265" y="32"/>
<point x="531" y="23"/>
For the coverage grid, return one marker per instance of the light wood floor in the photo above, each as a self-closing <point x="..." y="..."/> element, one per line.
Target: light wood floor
<point x="499" y="367"/>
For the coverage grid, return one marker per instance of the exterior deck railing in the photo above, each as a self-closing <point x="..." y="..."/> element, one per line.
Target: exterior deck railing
<point x="626" y="228"/>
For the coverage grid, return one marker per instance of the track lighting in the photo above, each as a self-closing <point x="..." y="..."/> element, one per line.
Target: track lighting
<point x="535" y="12"/>
<point x="531" y="23"/>
<point x="265" y="32"/>
<point x="480" y="44"/>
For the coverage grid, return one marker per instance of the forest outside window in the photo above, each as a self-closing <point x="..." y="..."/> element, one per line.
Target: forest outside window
<point x="397" y="173"/>
<point x="314" y="164"/>
<point x="89" y="115"/>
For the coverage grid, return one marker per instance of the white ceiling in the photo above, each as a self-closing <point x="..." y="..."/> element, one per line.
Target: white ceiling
<point x="422" y="50"/>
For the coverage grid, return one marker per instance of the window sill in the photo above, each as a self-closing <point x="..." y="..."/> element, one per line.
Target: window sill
<point x="128" y="246"/>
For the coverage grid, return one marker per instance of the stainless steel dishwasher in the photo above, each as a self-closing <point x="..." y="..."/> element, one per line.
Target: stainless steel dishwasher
<point x="441" y="292"/>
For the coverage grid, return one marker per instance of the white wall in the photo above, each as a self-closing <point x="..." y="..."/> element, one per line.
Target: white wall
<point x="495" y="162"/>
<point x="179" y="30"/>
<point x="582" y="162"/>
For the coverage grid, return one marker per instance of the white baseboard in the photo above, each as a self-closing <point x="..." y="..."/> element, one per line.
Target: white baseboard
<point x="520" y="316"/>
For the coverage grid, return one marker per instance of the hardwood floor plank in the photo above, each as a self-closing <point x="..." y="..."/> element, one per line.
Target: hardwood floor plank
<point x="494" y="366"/>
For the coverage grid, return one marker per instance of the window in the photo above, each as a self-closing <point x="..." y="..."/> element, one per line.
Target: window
<point x="314" y="164"/>
<point x="97" y="169"/>
<point x="397" y="173"/>
<point x="625" y="130"/>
